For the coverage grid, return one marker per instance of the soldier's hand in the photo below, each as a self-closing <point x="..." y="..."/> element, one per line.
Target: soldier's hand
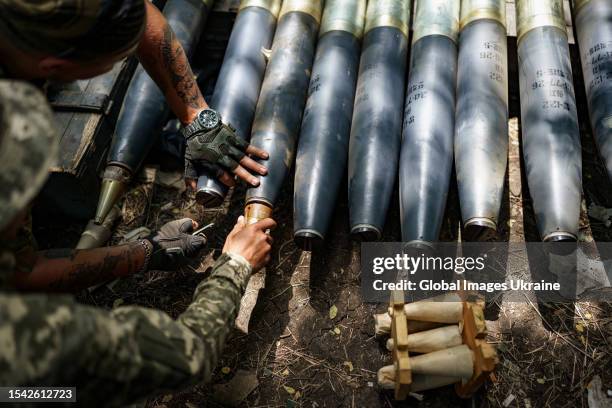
<point x="173" y="244"/>
<point x="253" y="242"/>
<point x="219" y="152"/>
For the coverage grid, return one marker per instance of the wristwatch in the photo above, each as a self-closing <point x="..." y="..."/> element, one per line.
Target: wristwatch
<point x="207" y="120"/>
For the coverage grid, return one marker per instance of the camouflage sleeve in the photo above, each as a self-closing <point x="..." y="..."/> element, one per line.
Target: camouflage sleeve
<point x="120" y="356"/>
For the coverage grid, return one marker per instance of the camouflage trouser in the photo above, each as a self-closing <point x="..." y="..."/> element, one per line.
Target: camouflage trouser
<point x="120" y="356"/>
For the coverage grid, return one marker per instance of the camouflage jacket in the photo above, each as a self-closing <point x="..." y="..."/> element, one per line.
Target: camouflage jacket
<point x="117" y="357"/>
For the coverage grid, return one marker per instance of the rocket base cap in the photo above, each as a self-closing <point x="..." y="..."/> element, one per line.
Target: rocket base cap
<point x="307" y="239"/>
<point x="480" y="230"/>
<point x="209" y="198"/>
<point x="365" y="233"/>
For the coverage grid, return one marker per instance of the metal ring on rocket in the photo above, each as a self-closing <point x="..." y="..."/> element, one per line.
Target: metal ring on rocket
<point x="346" y="15"/>
<point x="439" y="17"/>
<point x="532" y="14"/>
<point x="273" y="6"/>
<point x="472" y="10"/>
<point x="388" y="13"/>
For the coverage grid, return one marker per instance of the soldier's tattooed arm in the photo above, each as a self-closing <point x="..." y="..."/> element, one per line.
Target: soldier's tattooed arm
<point x="163" y="57"/>
<point x="67" y="270"/>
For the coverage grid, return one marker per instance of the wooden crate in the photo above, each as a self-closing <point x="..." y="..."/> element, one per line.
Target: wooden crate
<point x="86" y="112"/>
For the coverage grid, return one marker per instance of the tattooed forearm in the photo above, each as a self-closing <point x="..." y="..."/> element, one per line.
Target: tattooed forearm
<point x="164" y="59"/>
<point x="78" y="270"/>
<point x="177" y="66"/>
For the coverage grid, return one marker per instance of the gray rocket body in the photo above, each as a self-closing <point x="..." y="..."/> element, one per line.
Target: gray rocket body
<point x="481" y="128"/>
<point x="550" y="133"/>
<point x="282" y="99"/>
<point x="323" y="147"/>
<point x="594" y="29"/>
<point x="144" y="108"/>
<point x="427" y="146"/>
<point x="238" y="85"/>
<point x="376" y="130"/>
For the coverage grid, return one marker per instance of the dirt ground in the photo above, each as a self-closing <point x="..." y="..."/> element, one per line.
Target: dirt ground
<point x="300" y="355"/>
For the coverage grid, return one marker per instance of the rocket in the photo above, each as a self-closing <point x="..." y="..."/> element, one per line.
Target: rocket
<point x="239" y="82"/>
<point x="278" y="115"/>
<point x="593" y="21"/>
<point x="323" y="145"/>
<point x="429" y="121"/>
<point x="144" y="109"/>
<point x="481" y="119"/>
<point x="549" y="120"/>
<point x="377" y="116"/>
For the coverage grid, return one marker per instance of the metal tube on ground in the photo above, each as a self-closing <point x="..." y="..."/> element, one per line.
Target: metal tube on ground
<point x="145" y="109"/>
<point x="323" y="146"/>
<point x="481" y="120"/>
<point x="429" y="121"/>
<point x="549" y="120"/>
<point x="593" y="20"/>
<point x="283" y="95"/>
<point x="240" y="78"/>
<point x="377" y="116"/>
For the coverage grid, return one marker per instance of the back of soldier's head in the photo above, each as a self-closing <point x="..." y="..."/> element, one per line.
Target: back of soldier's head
<point x="72" y="29"/>
<point x="28" y="146"/>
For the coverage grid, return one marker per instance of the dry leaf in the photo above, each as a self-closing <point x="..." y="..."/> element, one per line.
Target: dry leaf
<point x="290" y="390"/>
<point x="348" y="365"/>
<point x="337" y="331"/>
<point x="333" y="312"/>
<point x="579" y="327"/>
<point x="226" y="370"/>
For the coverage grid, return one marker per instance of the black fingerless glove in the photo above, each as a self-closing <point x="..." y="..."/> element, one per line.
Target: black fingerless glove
<point x="214" y="151"/>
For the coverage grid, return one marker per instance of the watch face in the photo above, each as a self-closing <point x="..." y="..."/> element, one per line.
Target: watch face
<point x="209" y="119"/>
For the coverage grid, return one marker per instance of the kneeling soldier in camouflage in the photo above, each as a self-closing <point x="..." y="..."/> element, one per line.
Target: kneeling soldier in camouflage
<point x="111" y="357"/>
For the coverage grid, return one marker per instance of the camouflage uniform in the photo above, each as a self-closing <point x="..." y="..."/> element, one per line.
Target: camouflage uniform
<point x="112" y="357"/>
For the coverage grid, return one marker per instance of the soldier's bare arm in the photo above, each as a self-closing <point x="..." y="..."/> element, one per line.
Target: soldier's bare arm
<point x="69" y="270"/>
<point x="163" y="57"/>
<point x="129" y="353"/>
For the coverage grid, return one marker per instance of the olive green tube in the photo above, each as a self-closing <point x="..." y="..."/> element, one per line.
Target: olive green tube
<point x="549" y="120"/>
<point x="239" y="81"/>
<point x="283" y="95"/>
<point x="593" y="19"/>
<point x="481" y="120"/>
<point x="323" y="146"/>
<point x="145" y="109"/>
<point x="429" y="121"/>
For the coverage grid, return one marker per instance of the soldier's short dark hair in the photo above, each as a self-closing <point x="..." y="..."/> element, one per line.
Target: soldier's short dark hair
<point x="73" y="29"/>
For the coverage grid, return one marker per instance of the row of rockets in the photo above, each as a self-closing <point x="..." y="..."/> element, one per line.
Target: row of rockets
<point x="335" y="80"/>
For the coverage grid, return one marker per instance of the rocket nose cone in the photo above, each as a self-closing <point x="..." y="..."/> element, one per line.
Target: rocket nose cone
<point x="111" y="192"/>
<point x="308" y="240"/>
<point x="560" y="243"/>
<point x="480" y="230"/>
<point x="365" y="233"/>
<point x="209" y="198"/>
